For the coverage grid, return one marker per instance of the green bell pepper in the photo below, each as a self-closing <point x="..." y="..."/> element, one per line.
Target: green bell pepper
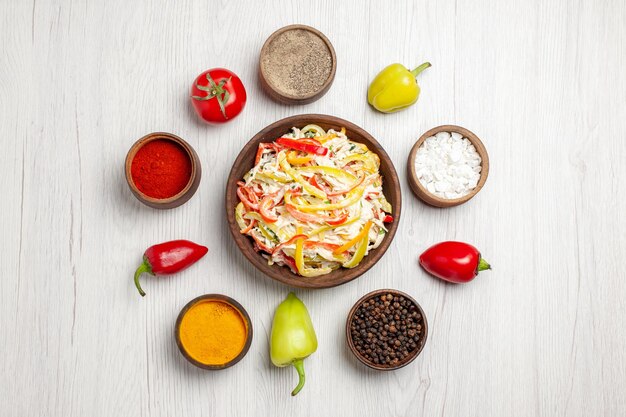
<point x="395" y="88"/>
<point x="293" y="337"/>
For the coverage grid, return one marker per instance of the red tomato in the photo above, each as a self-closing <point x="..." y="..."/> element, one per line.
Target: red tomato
<point x="218" y="95"/>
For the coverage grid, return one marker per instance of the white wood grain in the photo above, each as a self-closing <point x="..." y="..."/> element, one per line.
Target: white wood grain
<point x="542" y="83"/>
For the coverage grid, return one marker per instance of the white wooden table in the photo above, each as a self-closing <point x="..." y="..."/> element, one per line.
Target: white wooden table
<point x="542" y="83"/>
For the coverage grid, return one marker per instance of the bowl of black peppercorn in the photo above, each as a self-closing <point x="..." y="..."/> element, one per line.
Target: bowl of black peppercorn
<point x="386" y="329"/>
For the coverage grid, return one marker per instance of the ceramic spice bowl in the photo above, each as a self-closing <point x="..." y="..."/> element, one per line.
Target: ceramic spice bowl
<point x="297" y="65"/>
<point x="213" y="327"/>
<point x="422" y="192"/>
<point x="191" y="161"/>
<point x="386" y="329"/>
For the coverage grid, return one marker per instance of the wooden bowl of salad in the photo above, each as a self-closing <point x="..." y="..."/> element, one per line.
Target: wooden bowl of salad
<point x="313" y="201"/>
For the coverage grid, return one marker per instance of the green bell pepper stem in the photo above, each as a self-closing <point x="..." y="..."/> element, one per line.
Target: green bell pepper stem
<point x="144" y="267"/>
<point x="483" y="265"/>
<point x="299" y="365"/>
<point x="421" y="68"/>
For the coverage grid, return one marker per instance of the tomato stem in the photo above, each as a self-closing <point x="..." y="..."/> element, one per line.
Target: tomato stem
<point x="216" y="91"/>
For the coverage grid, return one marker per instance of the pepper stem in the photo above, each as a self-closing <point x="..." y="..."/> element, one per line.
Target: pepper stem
<point x="299" y="365"/>
<point x="421" y="68"/>
<point x="144" y="267"/>
<point x="483" y="265"/>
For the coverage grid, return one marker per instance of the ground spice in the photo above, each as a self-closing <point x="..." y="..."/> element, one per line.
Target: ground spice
<point x="161" y="168"/>
<point x="213" y="332"/>
<point x="297" y="63"/>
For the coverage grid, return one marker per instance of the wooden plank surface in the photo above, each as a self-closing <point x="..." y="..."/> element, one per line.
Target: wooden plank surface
<point x="542" y="84"/>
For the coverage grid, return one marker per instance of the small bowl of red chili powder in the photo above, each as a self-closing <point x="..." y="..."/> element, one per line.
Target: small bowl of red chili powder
<point x="162" y="170"/>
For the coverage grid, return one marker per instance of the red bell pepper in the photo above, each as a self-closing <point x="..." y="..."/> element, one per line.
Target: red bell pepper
<point x="168" y="258"/>
<point x="455" y="262"/>
<point x="302" y="145"/>
<point x="388" y="219"/>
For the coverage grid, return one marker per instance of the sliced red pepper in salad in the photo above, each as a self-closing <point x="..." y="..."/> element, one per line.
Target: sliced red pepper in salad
<point x="313" y="181"/>
<point x="289" y="242"/>
<point x="316" y="218"/>
<point x="250" y="227"/>
<point x="304" y="145"/>
<point x="262" y="147"/>
<point x="248" y="198"/>
<point x="325" y="245"/>
<point x="291" y="263"/>
<point x="311" y="141"/>
<point x="268" y="203"/>
<point x="329" y="192"/>
<point x="265" y="210"/>
<point x="337" y="220"/>
<point x="347" y="190"/>
<point x="259" y="242"/>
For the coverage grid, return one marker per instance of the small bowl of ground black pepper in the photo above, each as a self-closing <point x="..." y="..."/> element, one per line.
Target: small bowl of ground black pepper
<point x="162" y="170"/>
<point x="386" y="329"/>
<point x="297" y="65"/>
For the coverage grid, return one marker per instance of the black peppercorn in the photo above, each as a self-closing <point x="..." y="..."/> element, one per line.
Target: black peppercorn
<point x="386" y="329"/>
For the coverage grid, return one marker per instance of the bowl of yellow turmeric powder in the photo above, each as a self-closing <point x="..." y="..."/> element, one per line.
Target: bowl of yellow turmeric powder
<point x="213" y="331"/>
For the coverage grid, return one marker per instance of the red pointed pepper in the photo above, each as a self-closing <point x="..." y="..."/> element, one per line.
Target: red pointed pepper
<point x="168" y="258"/>
<point x="455" y="262"/>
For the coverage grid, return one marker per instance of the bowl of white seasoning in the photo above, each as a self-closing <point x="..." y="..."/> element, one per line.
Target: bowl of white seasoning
<point x="447" y="166"/>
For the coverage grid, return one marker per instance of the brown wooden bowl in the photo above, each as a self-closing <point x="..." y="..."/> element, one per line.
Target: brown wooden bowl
<point x="432" y="199"/>
<point x="413" y="354"/>
<point x="283" y="96"/>
<point x="185" y="194"/>
<point x="245" y="161"/>
<point x="225" y="299"/>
